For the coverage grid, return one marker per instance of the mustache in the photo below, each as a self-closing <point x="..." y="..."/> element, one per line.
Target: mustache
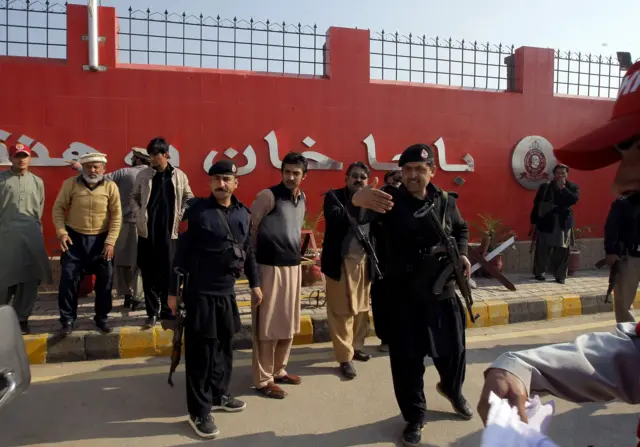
<point x="222" y="189"/>
<point x="358" y="183"/>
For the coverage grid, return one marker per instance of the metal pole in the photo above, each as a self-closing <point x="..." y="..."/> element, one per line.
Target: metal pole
<point x="94" y="63"/>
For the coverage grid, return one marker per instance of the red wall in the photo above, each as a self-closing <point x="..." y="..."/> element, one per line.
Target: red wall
<point x="199" y="110"/>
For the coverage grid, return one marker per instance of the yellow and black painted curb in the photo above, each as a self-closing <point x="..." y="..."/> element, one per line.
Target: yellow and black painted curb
<point x="130" y="342"/>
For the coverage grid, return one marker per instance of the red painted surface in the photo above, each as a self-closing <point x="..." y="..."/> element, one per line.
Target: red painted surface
<point x="200" y="110"/>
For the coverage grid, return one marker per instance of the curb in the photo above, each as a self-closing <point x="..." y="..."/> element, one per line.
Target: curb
<point x="131" y="342"/>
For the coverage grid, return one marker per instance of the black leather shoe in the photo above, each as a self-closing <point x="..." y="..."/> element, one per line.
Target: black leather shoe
<point x="67" y="328"/>
<point x="560" y="281"/>
<point x="104" y="327"/>
<point x="347" y="370"/>
<point x="412" y="434"/>
<point x="361" y="356"/>
<point x="150" y="322"/>
<point x="540" y="278"/>
<point x="127" y="301"/>
<point x="135" y="306"/>
<point x="459" y="404"/>
<point x="24" y="327"/>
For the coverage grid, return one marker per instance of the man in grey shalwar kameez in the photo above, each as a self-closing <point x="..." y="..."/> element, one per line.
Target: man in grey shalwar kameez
<point x="552" y="221"/>
<point x="24" y="262"/>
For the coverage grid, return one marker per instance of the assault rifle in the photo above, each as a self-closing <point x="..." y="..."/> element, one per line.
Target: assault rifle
<point x="455" y="266"/>
<point x="613" y="277"/>
<point x="362" y="238"/>
<point x="181" y="314"/>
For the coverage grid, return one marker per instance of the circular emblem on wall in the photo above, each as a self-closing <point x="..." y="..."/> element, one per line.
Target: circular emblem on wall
<point x="532" y="161"/>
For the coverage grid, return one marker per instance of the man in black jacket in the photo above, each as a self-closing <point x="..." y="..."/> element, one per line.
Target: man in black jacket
<point x="621" y="244"/>
<point x="421" y="322"/>
<point x="348" y="275"/>
<point x="213" y="252"/>
<point x="552" y="222"/>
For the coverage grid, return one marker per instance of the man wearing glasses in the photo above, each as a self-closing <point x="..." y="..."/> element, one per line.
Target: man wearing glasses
<point x="348" y="273"/>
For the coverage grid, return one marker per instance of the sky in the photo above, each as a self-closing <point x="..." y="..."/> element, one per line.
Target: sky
<point x="588" y="26"/>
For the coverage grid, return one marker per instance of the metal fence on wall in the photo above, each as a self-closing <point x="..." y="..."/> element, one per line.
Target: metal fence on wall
<point x="198" y="41"/>
<point x="38" y="29"/>
<point x="33" y="29"/>
<point x="439" y="61"/>
<point x="587" y="75"/>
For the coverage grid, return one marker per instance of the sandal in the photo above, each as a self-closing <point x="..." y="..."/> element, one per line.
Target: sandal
<point x="272" y="391"/>
<point x="289" y="379"/>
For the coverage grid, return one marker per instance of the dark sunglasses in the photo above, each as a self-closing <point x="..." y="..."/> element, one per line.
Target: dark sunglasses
<point x="359" y="176"/>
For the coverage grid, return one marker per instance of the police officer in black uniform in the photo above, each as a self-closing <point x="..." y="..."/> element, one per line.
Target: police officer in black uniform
<point x="420" y="323"/>
<point x="213" y="252"/>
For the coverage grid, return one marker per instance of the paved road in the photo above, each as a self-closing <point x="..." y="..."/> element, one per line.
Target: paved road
<point x="128" y="403"/>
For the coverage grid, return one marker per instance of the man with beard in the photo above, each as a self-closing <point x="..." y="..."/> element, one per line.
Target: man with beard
<point x="87" y="216"/>
<point x="420" y="322"/>
<point x="345" y="265"/>
<point x="277" y="216"/>
<point x="601" y="366"/>
<point x="159" y="197"/>
<point x="212" y="253"/>
<point x="392" y="179"/>
<point x="552" y="221"/>
<point x="23" y="259"/>
<point x="128" y="281"/>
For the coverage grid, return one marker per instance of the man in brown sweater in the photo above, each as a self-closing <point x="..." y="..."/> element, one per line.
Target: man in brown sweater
<point x="87" y="215"/>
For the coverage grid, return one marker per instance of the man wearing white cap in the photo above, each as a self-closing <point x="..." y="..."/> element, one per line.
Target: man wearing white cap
<point x="87" y="216"/>
<point x="127" y="273"/>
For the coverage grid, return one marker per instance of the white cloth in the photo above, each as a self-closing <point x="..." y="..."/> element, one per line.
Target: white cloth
<point x="505" y="429"/>
<point x="95" y="157"/>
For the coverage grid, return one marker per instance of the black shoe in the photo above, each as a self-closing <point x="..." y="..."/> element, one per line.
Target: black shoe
<point x="67" y="328"/>
<point x="361" y="356"/>
<point x="204" y="427"/>
<point x="412" y="434"/>
<point x="150" y="322"/>
<point x="230" y="404"/>
<point x="137" y="305"/>
<point x="348" y="371"/>
<point x="560" y="281"/>
<point x="24" y="327"/>
<point x="539" y="278"/>
<point x="127" y="301"/>
<point x="104" y="327"/>
<point x="459" y="404"/>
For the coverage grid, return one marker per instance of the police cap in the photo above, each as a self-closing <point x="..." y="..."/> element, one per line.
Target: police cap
<point x="223" y="167"/>
<point x="421" y="153"/>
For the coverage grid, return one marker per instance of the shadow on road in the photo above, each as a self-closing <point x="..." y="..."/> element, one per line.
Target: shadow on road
<point x="144" y="407"/>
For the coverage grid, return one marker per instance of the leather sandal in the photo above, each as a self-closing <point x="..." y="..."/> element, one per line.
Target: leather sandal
<point x="289" y="379"/>
<point x="272" y="391"/>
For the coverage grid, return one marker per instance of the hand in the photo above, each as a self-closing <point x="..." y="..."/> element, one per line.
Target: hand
<point x="371" y="198"/>
<point x="467" y="265"/>
<point x="172" y="302"/>
<point x="506" y="386"/>
<point x="256" y="296"/>
<point x="65" y="241"/>
<point x="532" y="229"/>
<point x="612" y="259"/>
<point x="561" y="182"/>
<point x="108" y="252"/>
<point x="73" y="164"/>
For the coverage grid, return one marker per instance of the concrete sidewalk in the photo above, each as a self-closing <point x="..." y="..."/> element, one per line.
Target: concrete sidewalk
<point x="533" y="301"/>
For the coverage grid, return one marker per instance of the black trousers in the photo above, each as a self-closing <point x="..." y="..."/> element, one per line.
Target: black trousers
<point x="155" y="265"/>
<point x="84" y="257"/>
<point x="408" y="369"/>
<point x="378" y="308"/>
<point x="208" y="363"/>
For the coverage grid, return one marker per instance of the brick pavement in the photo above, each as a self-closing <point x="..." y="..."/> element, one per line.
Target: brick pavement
<point x="45" y="315"/>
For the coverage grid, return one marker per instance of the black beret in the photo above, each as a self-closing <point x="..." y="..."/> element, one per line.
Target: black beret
<point x="223" y="167"/>
<point x="418" y="152"/>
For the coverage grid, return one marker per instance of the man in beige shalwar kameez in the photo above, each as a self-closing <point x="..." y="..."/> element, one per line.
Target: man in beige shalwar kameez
<point x="347" y="273"/>
<point x="277" y="215"/>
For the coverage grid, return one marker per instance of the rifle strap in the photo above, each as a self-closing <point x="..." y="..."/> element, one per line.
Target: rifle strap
<point x="225" y="222"/>
<point x="445" y="194"/>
